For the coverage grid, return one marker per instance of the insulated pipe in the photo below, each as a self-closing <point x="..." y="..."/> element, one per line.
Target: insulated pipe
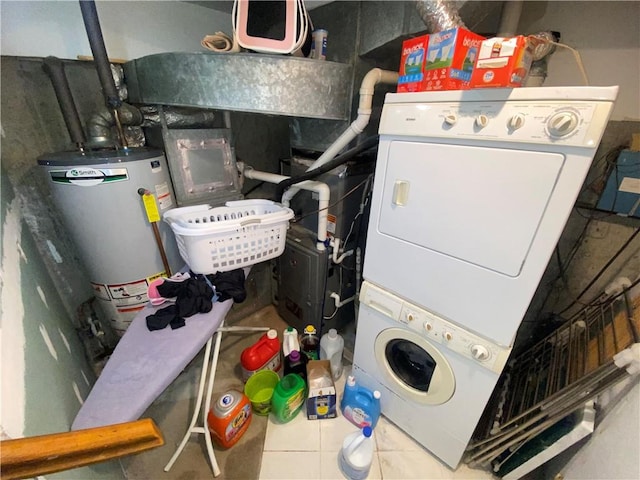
<point x="438" y="15"/>
<point x="100" y="123"/>
<point x="322" y="189"/>
<point x="100" y="58"/>
<point x="510" y="18"/>
<point x="54" y="67"/>
<point x="367" y="87"/>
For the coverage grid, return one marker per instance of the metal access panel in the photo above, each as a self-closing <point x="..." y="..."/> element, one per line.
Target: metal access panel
<point x="301" y="273"/>
<point x="203" y="165"/>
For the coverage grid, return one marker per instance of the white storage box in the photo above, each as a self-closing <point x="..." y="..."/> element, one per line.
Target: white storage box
<point x="220" y="239"/>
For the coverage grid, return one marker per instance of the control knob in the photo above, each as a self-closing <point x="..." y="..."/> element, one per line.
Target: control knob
<point x="562" y="123"/>
<point x="480" y="352"/>
<point x="451" y="119"/>
<point x="516" y="122"/>
<point x="448" y="336"/>
<point x="482" y="121"/>
<point x="410" y="317"/>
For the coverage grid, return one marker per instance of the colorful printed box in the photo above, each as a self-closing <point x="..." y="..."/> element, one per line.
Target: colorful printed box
<point x="451" y="55"/>
<point x="414" y="53"/>
<point x="503" y="62"/>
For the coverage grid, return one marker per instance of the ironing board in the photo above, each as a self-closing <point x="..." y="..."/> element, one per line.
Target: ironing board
<point x="143" y="365"/>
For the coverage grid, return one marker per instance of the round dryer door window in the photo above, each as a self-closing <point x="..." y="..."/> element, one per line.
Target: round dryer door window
<point x="413" y="367"/>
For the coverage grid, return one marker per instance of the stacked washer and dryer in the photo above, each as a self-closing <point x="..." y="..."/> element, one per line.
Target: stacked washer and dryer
<point x="472" y="191"/>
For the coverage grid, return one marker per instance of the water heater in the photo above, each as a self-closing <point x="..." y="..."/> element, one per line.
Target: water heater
<point x="97" y="195"/>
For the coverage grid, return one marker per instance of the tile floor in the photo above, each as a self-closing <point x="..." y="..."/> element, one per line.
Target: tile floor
<point x="300" y="449"/>
<point x="308" y="449"/>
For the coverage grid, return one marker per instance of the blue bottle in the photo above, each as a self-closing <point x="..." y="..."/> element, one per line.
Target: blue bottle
<point x="360" y="405"/>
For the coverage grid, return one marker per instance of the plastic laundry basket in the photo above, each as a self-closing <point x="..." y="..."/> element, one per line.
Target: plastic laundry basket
<point x="220" y="239"/>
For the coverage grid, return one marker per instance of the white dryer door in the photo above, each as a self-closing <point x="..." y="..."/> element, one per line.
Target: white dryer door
<point x="479" y="205"/>
<point x="413" y="367"/>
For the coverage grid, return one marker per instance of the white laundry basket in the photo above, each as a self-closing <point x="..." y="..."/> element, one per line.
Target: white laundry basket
<point x="220" y="239"/>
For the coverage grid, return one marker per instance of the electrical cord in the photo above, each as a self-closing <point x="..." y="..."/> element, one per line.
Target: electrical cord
<point x="624" y="290"/>
<point x="575" y="52"/>
<point x="601" y="271"/>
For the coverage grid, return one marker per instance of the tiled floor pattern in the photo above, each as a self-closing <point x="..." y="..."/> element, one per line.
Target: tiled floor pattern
<point x="308" y="449"/>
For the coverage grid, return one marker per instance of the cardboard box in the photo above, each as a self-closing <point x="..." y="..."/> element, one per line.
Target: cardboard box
<point x="412" y="62"/>
<point x="322" y="398"/>
<point x="503" y="62"/>
<point x="451" y="55"/>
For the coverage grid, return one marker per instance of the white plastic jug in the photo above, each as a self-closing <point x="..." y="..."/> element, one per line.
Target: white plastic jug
<point x="331" y="347"/>
<point x="290" y="341"/>
<point x="356" y="454"/>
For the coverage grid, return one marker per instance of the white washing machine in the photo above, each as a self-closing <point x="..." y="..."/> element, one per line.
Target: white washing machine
<point x="435" y="378"/>
<point x="472" y="191"/>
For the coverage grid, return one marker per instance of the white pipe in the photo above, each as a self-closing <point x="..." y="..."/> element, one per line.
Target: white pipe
<point x="367" y="87"/>
<point x="340" y="303"/>
<point x="335" y="243"/>
<point x="322" y="189"/>
<point x="510" y="18"/>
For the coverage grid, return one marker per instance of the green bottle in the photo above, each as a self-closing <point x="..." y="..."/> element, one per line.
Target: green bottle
<point x="288" y="397"/>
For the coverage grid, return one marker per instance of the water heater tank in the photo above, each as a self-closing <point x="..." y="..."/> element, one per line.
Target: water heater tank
<point x="97" y="195"/>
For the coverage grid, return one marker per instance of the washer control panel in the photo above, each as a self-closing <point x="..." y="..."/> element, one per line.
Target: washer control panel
<point x="484" y="352"/>
<point x="570" y="123"/>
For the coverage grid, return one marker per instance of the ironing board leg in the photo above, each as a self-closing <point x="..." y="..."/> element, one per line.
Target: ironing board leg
<point x="192" y="428"/>
<point x="207" y="399"/>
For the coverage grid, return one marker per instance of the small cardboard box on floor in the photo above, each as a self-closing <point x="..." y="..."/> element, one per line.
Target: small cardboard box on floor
<point x="322" y="398"/>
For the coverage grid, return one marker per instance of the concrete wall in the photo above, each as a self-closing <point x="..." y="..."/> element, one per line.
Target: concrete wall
<point x="606" y="33"/>
<point x="45" y="376"/>
<point x="130" y="29"/>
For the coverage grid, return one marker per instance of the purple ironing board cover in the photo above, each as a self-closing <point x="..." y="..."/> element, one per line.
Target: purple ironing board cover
<point x="143" y="364"/>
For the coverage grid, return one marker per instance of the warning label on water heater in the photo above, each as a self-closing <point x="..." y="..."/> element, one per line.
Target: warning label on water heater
<point x="128" y="290"/>
<point x="164" y="196"/>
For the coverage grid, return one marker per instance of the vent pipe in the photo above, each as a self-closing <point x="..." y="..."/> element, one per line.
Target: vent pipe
<point x="510" y="18"/>
<point x="54" y="67"/>
<point x="101" y="60"/>
<point x="439" y="15"/>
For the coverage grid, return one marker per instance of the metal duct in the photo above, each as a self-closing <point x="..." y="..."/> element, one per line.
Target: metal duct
<point x="54" y="67"/>
<point x="177" y="117"/>
<point x="439" y="15"/>
<point x="100" y="123"/>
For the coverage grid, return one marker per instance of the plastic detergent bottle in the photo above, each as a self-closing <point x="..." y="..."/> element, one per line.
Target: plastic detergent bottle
<point x="331" y="346"/>
<point x="288" y="397"/>
<point x="229" y="418"/>
<point x="309" y="342"/>
<point x="264" y="354"/>
<point x="296" y="362"/>
<point x="356" y="454"/>
<point x="290" y="341"/>
<point x="360" y="405"/>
